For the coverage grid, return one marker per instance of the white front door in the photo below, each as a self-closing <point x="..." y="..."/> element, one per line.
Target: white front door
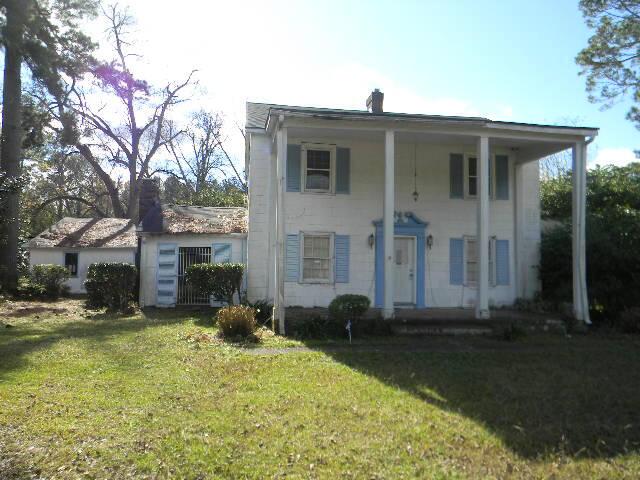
<point x="404" y="251"/>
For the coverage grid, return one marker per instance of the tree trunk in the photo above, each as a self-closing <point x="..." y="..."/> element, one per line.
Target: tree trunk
<point x="11" y="143"/>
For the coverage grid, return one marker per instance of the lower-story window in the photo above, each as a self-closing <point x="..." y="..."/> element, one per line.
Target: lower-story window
<point x="71" y="263"/>
<point x="471" y="260"/>
<point x="316" y="257"/>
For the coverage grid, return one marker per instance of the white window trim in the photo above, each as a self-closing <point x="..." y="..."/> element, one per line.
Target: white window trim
<point x="332" y="167"/>
<point x="331" y="278"/>
<point x="492" y="190"/>
<point x="492" y="261"/>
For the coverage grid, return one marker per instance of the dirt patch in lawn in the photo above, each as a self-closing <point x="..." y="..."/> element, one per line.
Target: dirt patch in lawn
<point x="36" y="308"/>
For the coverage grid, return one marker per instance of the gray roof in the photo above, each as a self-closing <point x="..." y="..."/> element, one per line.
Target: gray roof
<point x="176" y="219"/>
<point x="258" y="113"/>
<point x="71" y="232"/>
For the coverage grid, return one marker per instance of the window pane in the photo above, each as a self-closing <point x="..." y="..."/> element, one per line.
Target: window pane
<point x="472" y="272"/>
<point x="473" y="167"/>
<point x="318" y="179"/>
<point x="472" y="251"/>
<point x="320" y="159"/>
<point x="321" y="247"/>
<point x="315" y="269"/>
<point x="473" y="186"/>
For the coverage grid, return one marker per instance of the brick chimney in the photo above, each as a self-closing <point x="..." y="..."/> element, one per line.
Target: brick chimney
<point x="149" y="196"/>
<point x="374" y="102"/>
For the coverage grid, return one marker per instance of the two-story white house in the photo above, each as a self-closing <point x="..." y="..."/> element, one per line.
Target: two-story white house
<point x="414" y="211"/>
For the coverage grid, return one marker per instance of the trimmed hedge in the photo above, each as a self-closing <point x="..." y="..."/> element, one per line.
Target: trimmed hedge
<point x="111" y="285"/>
<point x="348" y="307"/>
<point x="221" y="280"/>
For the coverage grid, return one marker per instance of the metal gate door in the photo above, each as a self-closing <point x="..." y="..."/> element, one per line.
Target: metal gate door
<point x="188" y="256"/>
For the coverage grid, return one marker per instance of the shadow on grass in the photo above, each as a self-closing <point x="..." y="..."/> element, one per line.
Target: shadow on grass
<point x="18" y="342"/>
<point x="578" y="398"/>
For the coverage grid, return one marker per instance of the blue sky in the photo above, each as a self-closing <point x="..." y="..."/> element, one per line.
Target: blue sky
<point x="505" y="59"/>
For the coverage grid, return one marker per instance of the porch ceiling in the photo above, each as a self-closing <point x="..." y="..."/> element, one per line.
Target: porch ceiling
<point x="528" y="149"/>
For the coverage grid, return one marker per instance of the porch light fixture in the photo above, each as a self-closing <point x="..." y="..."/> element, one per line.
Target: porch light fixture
<point x="371" y="240"/>
<point x="429" y="241"/>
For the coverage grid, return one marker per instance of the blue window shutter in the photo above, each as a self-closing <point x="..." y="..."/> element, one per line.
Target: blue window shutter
<point x="167" y="275"/>
<point x="343" y="170"/>
<point x="292" y="258"/>
<point x="456" y="175"/>
<point x="456" y="261"/>
<point x="342" y="258"/>
<point x="502" y="177"/>
<point x="221" y="252"/>
<point x="293" y="168"/>
<point x="502" y="262"/>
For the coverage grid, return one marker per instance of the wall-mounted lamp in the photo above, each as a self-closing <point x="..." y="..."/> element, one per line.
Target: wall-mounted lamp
<point x="429" y="241"/>
<point x="371" y="240"/>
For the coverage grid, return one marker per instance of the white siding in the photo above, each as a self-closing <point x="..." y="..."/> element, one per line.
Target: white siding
<point x="149" y="254"/>
<point x="86" y="256"/>
<point x="354" y="213"/>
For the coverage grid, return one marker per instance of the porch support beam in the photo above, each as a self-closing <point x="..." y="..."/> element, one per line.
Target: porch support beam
<point x="578" y="217"/>
<point x="388" y="222"/>
<point x="482" y="236"/>
<point x="281" y="162"/>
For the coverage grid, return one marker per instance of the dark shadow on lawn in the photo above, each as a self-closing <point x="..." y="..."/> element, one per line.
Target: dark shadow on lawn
<point x="17" y="342"/>
<point x="579" y="398"/>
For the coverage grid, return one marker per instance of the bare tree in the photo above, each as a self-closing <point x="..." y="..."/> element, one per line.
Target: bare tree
<point x="127" y="133"/>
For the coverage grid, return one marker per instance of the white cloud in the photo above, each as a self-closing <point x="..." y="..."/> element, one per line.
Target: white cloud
<point x="613" y="156"/>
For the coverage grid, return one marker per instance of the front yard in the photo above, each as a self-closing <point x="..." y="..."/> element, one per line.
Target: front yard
<point x="147" y="396"/>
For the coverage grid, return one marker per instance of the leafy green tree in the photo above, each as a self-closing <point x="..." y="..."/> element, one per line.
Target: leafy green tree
<point x="611" y="59"/>
<point x="613" y="239"/>
<point x="45" y="36"/>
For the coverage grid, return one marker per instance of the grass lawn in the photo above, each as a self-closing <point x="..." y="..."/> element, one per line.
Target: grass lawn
<point x="89" y="394"/>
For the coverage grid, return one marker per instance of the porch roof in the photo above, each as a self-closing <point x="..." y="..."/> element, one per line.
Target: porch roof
<point x="258" y="117"/>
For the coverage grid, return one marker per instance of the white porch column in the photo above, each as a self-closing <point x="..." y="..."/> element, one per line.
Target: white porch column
<point x="482" y="236"/>
<point x="388" y="222"/>
<point x="578" y="217"/>
<point x="281" y="162"/>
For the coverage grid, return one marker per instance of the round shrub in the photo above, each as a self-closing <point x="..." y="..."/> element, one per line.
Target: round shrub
<point x="236" y="320"/>
<point x="348" y="307"/>
<point x="111" y="285"/>
<point x="45" y="280"/>
<point x="221" y="280"/>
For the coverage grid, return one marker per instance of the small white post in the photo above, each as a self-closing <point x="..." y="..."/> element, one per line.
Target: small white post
<point x="281" y="162"/>
<point x="388" y="222"/>
<point x="583" y="236"/>
<point x="482" y="236"/>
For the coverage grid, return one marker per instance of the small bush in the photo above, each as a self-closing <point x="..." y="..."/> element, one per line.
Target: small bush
<point x="44" y="281"/>
<point x="236" y="320"/>
<point x="111" y="285"/>
<point x="513" y="332"/>
<point x="348" y="307"/>
<point x="630" y="320"/>
<point x="221" y="280"/>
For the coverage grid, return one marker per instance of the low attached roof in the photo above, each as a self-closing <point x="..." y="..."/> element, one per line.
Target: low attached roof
<point x="258" y="114"/>
<point x="176" y="219"/>
<point x="71" y="232"/>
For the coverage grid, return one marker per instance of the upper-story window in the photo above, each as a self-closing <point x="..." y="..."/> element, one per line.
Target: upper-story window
<point x="318" y="168"/>
<point x="471" y="177"/>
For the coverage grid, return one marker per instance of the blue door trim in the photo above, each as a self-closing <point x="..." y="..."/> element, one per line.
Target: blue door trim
<point x="407" y="224"/>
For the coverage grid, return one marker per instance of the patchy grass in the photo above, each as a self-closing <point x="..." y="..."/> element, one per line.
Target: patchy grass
<point x="157" y="395"/>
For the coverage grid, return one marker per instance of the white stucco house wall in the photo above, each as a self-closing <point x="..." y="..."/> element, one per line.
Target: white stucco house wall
<point x="172" y="237"/>
<point x="78" y="242"/>
<point x="414" y="211"/>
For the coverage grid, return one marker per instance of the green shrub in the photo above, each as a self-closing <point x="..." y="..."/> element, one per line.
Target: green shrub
<point x="221" y="280"/>
<point x="111" y="285"/>
<point x="316" y="326"/>
<point x="236" y="320"/>
<point x="45" y="281"/>
<point x="348" y="307"/>
<point x="27" y="288"/>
